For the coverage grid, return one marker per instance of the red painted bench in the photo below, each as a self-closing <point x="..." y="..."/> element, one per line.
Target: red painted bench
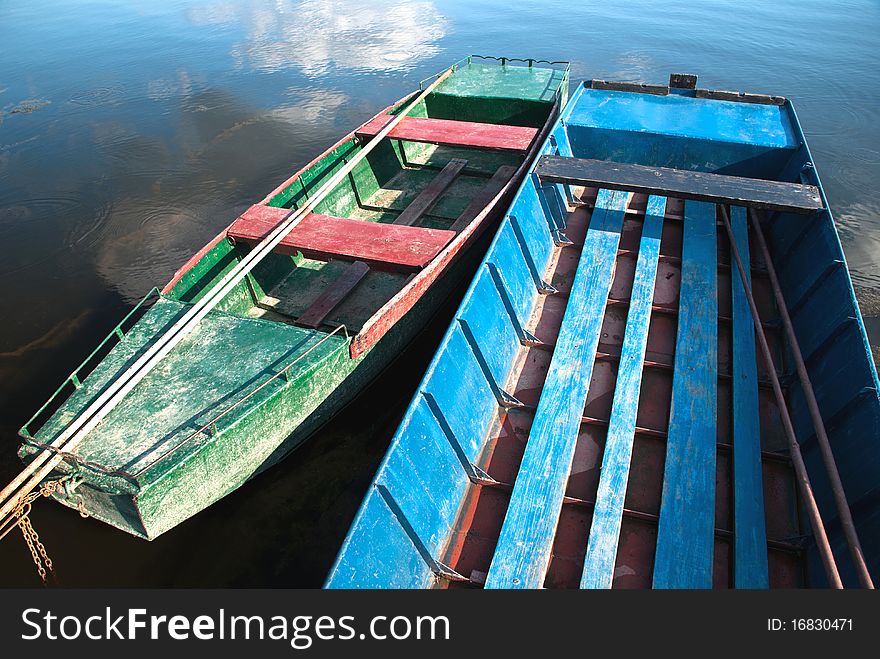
<point x="381" y="246"/>
<point x="453" y="133"/>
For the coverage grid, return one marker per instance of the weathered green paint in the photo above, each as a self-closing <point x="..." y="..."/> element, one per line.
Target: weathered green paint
<point x="299" y="189"/>
<point x="515" y="83"/>
<point x="489" y="93"/>
<point x="172" y="462"/>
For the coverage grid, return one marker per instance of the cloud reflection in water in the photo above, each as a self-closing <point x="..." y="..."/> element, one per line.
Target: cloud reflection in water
<point x="318" y="35"/>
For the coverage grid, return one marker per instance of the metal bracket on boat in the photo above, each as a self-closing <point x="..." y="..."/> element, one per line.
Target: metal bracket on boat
<point x="444" y="571"/>
<point x="69" y="485"/>
<point x="560" y="239"/>
<point x="526" y="338"/>
<point x="530" y="340"/>
<point x="474" y="473"/>
<point x="504" y="399"/>
<point x="437" y="567"/>
<point x="480" y="477"/>
<point x="807" y="173"/>
<point x="508" y="401"/>
<point x="543" y="287"/>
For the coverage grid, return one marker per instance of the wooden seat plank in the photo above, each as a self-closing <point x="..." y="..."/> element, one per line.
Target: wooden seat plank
<point x="750" y="534"/>
<point x="686" y="531"/>
<point x="381" y="246"/>
<point x="430" y="193"/>
<point x="598" y="571"/>
<point x="335" y="293"/>
<point x="447" y="132"/>
<point x="684" y="184"/>
<point x="499" y="179"/>
<point x="522" y="554"/>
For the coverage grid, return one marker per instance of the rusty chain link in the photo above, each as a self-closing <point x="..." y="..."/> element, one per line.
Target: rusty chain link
<point x="21" y="517"/>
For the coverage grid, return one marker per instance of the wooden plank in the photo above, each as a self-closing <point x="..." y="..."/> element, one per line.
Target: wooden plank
<point x="499" y="179"/>
<point x="685" y="536"/>
<point x="496" y="137"/>
<point x="378" y="324"/>
<point x="430" y="193"/>
<point x="669" y="182"/>
<point x="522" y="554"/>
<point x="381" y="246"/>
<point x="750" y="534"/>
<point x="598" y="570"/>
<point x="635" y="87"/>
<point x="739" y="97"/>
<point x="335" y="293"/>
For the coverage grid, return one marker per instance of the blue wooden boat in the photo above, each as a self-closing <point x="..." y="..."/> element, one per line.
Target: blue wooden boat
<point x="603" y="412"/>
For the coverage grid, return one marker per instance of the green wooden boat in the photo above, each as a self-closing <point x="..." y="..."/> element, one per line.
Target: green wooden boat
<point x="312" y="323"/>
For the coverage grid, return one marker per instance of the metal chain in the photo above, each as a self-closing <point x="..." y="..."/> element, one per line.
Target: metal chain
<point x="38" y="551"/>
<point x="31" y="537"/>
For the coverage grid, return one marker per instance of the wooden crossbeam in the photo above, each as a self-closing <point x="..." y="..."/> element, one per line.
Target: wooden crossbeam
<point x="483" y="197"/>
<point x="430" y="193"/>
<point x="447" y="132"/>
<point x="333" y="295"/>
<point x="683" y="184"/>
<point x="381" y="246"/>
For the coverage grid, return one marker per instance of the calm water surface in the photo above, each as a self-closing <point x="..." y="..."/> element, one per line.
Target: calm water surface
<point x="130" y="133"/>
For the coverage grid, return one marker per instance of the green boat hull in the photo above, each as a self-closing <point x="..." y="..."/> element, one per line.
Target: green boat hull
<point x="255" y="438"/>
<point x="252" y="381"/>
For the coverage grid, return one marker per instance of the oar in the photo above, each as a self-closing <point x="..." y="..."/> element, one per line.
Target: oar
<point x="70" y="438"/>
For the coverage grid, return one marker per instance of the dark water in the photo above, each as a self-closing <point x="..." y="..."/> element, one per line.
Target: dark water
<point x="130" y="133"/>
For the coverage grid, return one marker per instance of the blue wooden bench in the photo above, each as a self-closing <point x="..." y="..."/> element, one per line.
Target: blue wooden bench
<point x="686" y="533"/>
<point x="750" y="535"/>
<point x="601" y="554"/>
<point x="523" y="551"/>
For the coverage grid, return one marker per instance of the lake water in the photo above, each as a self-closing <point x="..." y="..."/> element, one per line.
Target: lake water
<point x="130" y="133"/>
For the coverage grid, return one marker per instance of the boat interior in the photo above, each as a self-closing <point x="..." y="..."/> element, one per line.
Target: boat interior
<point x="600" y="413"/>
<point x="385" y="224"/>
<point x="397" y="211"/>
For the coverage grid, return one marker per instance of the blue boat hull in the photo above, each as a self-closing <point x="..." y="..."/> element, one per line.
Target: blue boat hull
<point x="598" y="415"/>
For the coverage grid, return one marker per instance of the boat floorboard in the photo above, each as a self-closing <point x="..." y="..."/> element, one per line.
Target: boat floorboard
<point x="474" y="542"/>
<point x="396" y="195"/>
